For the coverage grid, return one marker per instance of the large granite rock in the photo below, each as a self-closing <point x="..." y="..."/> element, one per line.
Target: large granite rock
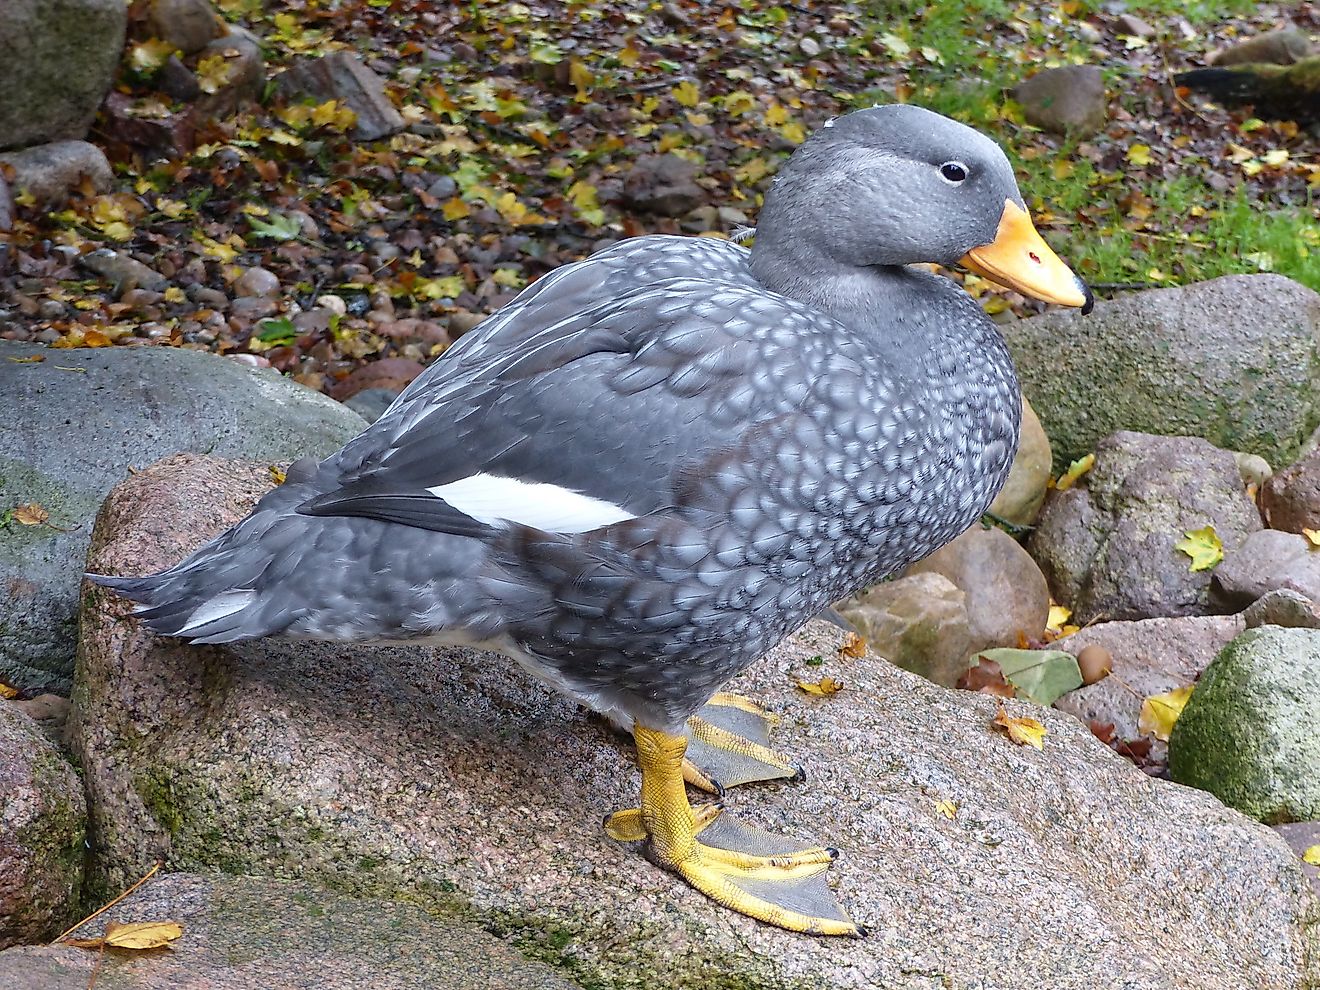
<point x="43" y="818"/>
<point x="57" y="60"/>
<point x="1108" y="545"/>
<point x="250" y="933"/>
<point x="1069" y="99"/>
<point x="75" y="422"/>
<point x="447" y="777"/>
<point x="51" y="173"/>
<point x="1233" y="360"/>
<point x="1250" y="734"/>
<point x="1150" y="656"/>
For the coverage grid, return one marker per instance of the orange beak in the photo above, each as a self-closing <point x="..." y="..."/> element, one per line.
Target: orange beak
<point x="1019" y="258"/>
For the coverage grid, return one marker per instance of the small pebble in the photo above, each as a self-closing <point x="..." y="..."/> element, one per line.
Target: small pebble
<point x="257" y="282"/>
<point x="1095" y="663"/>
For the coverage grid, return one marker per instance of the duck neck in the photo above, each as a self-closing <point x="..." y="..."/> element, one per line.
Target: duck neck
<point x="891" y="300"/>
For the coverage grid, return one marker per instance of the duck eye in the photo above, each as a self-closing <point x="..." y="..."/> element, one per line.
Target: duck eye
<point x="954" y="172"/>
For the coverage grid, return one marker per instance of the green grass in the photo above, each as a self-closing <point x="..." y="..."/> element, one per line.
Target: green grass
<point x="1191" y="231"/>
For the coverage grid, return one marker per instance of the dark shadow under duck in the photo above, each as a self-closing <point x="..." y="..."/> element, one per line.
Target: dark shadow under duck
<point x="655" y="464"/>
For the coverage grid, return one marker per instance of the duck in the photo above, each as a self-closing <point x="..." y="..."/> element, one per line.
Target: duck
<point x="655" y="464"/>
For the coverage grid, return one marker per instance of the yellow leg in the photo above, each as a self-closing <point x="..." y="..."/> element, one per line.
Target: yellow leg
<point x="751" y="880"/>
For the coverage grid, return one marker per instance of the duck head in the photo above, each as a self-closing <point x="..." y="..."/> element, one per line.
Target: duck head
<point x="899" y="185"/>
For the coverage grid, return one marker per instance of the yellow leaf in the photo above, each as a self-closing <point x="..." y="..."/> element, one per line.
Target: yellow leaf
<point x="1276" y="157"/>
<point x="853" y="648"/>
<point x="1139" y="154"/>
<point x="212" y="73"/>
<point x="142" y="934"/>
<point x="793" y="131"/>
<point x="686" y="93"/>
<point x="823" y="687"/>
<point x="776" y="115"/>
<point x="1023" y="731"/>
<point x="30" y="514"/>
<point x="1312" y="537"/>
<point x="1075" y="470"/>
<point x="95" y="338"/>
<point x="1203" y="546"/>
<point x="1312" y="855"/>
<point x="456" y="209"/>
<point x="739" y="102"/>
<point x="175" y="295"/>
<point x="628" y="55"/>
<point x="946" y="808"/>
<point x="8" y="692"/>
<point x="277" y="474"/>
<point x="1160" y="711"/>
<point x="1059" y="616"/>
<point x="150" y="55"/>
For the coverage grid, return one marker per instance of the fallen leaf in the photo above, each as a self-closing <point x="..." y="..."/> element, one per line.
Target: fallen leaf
<point x="1139" y="154"/>
<point x="1041" y="676"/>
<point x="277" y="474"/>
<point x="1059" y="616"/>
<point x="822" y="688"/>
<point x="1160" y="711"/>
<point x="1312" y="537"/>
<point x="946" y="808"/>
<point x="7" y="691"/>
<point x="30" y="514"/>
<point x="1075" y="470"/>
<point x="686" y="93"/>
<point x="1023" y="731"/>
<point x="1203" y="546"/>
<point x="853" y="648"/>
<point x="1312" y="855"/>
<point x="134" y="935"/>
<point x="986" y="678"/>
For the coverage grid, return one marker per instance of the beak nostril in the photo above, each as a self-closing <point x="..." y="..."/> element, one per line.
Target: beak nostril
<point x="1034" y="256"/>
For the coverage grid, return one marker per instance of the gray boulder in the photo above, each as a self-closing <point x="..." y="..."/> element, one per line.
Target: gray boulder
<point x="1250" y="734"/>
<point x="57" y="61"/>
<point x="51" y="173"/>
<point x="1286" y="47"/>
<point x="1282" y="608"/>
<point x="664" y="185"/>
<point x="343" y="76"/>
<point x="1233" y="360"/>
<point x="1007" y="597"/>
<point x="447" y="777"/>
<point x="1150" y="656"/>
<point x="43" y="818"/>
<point x="1107" y="546"/>
<point x="1267" y="561"/>
<point x="1069" y="99"/>
<point x="76" y="421"/>
<point x="919" y="623"/>
<point x="188" y="25"/>
<point x="249" y="933"/>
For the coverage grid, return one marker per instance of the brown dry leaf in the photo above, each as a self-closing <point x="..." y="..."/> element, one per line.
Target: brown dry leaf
<point x="30" y="359"/>
<point x="821" y="688"/>
<point x="853" y="648"/>
<point x="1023" y="731"/>
<point x="1159" y="712"/>
<point x="134" y="935"/>
<point x="30" y="514"/>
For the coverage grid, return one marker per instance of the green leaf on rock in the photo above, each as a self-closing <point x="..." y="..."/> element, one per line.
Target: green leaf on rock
<point x="1203" y="546"/>
<point x="1041" y="676"/>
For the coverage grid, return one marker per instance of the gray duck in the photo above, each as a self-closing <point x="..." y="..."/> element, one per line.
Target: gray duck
<point x="653" y="465"/>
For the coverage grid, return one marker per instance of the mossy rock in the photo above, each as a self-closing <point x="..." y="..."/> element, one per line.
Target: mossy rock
<point x="1233" y="360"/>
<point x="1250" y="734"/>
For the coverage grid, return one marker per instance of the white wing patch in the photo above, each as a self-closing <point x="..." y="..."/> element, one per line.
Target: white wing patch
<point x="494" y="500"/>
<point x="219" y="607"/>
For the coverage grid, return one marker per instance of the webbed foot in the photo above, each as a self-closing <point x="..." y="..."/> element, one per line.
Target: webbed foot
<point x="729" y="745"/>
<point x="763" y="876"/>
